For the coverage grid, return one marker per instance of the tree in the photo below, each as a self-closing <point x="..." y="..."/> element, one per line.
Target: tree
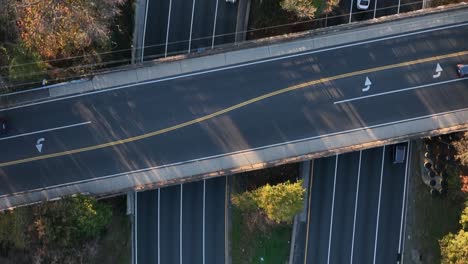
<point x="59" y="29"/>
<point x="71" y="220"/>
<point x="302" y="8"/>
<point x="281" y="202"/>
<point x="461" y="146"/>
<point x="26" y="66"/>
<point x="245" y="201"/>
<point x="454" y="248"/>
<point x="464" y="219"/>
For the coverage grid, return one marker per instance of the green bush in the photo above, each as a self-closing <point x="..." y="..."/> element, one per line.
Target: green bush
<point x="280" y="202"/>
<point x="26" y="66"/>
<point x="71" y="220"/>
<point x="245" y="201"/>
<point x="454" y="247"/>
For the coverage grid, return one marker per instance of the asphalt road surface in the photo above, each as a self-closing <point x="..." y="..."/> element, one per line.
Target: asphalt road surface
<point x="189" y="232"/>
<point x="356" y="209"/>
<point x="79" y="138"/>
<point x="179" y="26"/>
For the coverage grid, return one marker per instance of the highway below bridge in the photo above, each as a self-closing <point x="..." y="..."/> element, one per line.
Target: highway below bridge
<point x="94" y="137"/>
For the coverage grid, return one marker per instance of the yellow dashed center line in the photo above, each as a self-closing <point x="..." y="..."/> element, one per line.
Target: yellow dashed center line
<point x="231" y="108"/>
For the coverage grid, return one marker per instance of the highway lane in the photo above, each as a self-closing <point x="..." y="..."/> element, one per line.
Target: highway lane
<point x="310" y="111"/>
<point x="147" y="233"/>
<point x="156" y="28"/>
<point x="320" y="210"/>
<point x="215" y="220"/>
<point x="391" y="205"/>
<point x="193" y="233"/>
<point x="169" y="219"/>
<point x="202" y="33"/>
<point x="343" y="209"/>
<point x="179" y="24"/>
<point x="192" y="223"/>
<point x="226" y="22"/>
<point x="355" y="214"/>
<point x="367" y="204"/>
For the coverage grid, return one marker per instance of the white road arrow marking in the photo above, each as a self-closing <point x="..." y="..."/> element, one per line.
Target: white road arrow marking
<point x="438" y="71"/>
<point x="39" y="144"/>
<point x="368" y="83"/>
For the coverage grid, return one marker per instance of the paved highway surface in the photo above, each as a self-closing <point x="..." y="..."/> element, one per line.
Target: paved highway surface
<point x="189" y="232"/>
<point x="217" y="112"/>
<point x="356" y="209"/>
<point x="177" y="26"/>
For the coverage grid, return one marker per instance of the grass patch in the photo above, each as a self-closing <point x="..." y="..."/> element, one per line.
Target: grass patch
<point x="249" y="245"/>
<point x="430" y="218"/>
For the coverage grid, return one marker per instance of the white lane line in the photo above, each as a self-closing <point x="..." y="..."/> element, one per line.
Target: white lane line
<point x="375" y="8"/>
<point x="403" y="205"/>
<point x="144" y="31"/>
<point x="311" y="179"/>
<point x="351" y="11"/>
<point x="355" y="206"/>
<point x="214" y="25"/>
<point x="378" y="207"/>
<point x="135" y="204"/>
<point x="400" y="90"/>
<point x="45" y="130"/>
<point x="232" y="153"/>
<point x="406" y="209"/>
<point x="167" y="28"/>
<point x="332" y="209"/>
<point x="236" y="66"/>
<point x="159" y="225"/>
<point x="226" y="224"/>
<point x="191" y="28"/>
<point x="180" y="220"/>
<point x="204" y="211"/>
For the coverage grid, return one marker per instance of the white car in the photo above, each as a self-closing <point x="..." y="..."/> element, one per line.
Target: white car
<point x="362" y="4"/>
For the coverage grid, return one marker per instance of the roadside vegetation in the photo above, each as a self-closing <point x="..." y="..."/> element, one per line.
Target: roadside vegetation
<point x="264" y="205"/>
<point x="437" y="224"/>
<point x="454" y="246"/>
<point x="76" y="229"/>
<point x="271" y="14"/>
<point x="52" y="40"/>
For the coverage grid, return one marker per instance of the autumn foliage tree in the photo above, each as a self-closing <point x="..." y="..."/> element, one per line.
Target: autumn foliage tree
<point x="302" y="8"/>
<point x="461" y="146"/>
<point x="454" y="247"/>
<point x="280" y="202"/>
<point x="60" y="29"/>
